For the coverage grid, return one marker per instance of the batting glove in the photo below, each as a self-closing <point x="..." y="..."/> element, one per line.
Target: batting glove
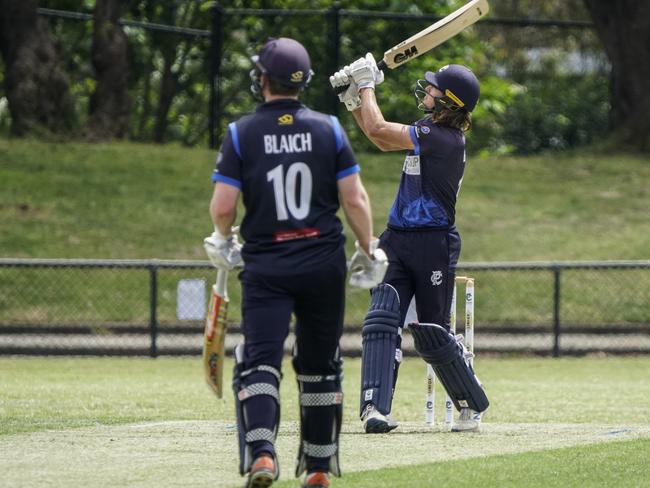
<point x="349" y="97"/>
<point x="362" y="74"/>
<point x="368" y="271"/>
<point x="365" y="72"/>
<point x="378" y="75"/>
<point x="224" y="251"/>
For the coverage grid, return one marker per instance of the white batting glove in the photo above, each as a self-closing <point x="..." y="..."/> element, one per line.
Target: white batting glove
<point x="362" y="74"/>
<point x="365" y="72"/>
<point x="224" y="251"/>
<point x="349" y="97"/>
<point x="368" y="271"/>
<point x="377" y="74"/>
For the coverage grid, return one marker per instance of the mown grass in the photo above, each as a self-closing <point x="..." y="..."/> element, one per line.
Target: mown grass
<point x="62" y="393"/>
<point x="126" y="200"/>
<point x="606" y="465"/>
<point x="125" y="417"/>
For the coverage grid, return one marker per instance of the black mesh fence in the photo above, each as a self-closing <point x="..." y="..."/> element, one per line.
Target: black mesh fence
<point x="159" y="307"/>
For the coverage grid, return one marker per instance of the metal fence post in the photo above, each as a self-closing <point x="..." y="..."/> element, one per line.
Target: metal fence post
<point x="556" y="312"/>
<point x="215" y="53"/>
<point x="333" y="15"/>
<point x="153" y="309"/>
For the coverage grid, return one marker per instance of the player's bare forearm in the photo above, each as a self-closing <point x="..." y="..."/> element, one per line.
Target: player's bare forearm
<point x="387" y="136"/>
<point x="360" y="122"/>
<point x="224" y="223"/>
<point x="356" y="206"/>
<point x="360" y="219"/>
<point x="223" y="207"/>
<point x="384" y="146"/>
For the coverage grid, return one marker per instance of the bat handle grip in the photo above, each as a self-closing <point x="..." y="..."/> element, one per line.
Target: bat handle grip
<point x="340" y="89"/>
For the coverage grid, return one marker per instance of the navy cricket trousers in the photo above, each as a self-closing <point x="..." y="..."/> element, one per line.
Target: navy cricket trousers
<point x="422" y="263"/>
<point x="317" y="299"/>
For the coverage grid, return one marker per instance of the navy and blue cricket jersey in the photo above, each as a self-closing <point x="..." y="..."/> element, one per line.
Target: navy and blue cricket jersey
<point x="431" y="177"/>
<point x="286" y="159"/>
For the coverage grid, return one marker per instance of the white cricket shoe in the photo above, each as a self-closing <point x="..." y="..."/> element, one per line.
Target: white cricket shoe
<point x="469" y="421"/>
<point x="375" y="422"/>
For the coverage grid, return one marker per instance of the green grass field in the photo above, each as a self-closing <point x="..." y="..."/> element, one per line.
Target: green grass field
<point x="137" y="201"/>
<point x="126" y="200"/>
<point x="144" y="423"/>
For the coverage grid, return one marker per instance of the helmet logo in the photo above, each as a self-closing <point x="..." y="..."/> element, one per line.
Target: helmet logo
<point x="456" y="100"/>
<point x="286" y="119"/>
<point x="296" y="77"/>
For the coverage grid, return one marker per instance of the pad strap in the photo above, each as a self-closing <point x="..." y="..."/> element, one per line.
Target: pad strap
<point x="319" y="450"/>
<point x="260" y="435"/>
<point x="249" y="391"/>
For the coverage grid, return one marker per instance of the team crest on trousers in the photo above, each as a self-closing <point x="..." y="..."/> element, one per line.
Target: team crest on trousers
<point x="436" y="278"/>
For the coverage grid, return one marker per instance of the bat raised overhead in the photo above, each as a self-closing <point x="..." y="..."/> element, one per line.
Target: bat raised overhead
<point x="434" y="35"/>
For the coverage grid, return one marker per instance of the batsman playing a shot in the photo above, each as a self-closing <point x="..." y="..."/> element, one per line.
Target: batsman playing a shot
<point x="421" y="240"/>
<point x="293" y="167"/>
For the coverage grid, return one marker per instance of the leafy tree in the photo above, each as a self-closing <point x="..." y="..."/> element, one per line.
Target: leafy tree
<point x="172" y="72"/>
<point x="542" y="87"/>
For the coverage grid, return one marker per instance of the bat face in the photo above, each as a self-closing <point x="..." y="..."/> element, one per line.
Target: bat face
<point x="215" y="334"/>
<point x="436" y="34"/>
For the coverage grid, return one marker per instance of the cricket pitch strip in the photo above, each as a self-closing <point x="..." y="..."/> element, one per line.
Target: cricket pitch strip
<point x="204" y="453"/>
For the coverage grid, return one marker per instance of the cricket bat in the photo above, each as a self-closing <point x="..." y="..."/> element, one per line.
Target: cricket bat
<point x="215" y="334"/>
<point x="432" y="36"/>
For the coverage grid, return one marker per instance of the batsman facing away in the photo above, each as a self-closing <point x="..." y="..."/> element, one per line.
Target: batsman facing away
<point x="421" y="239"/>
<point x="293" y="167"/>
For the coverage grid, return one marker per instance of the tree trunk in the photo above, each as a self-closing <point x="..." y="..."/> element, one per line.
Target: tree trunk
<point x="168" y="90"/>
<point x="37" y="88"/>
<point x="174" y="58"/>
<point x="110" y="107"/>
<point x="623" y="26"/>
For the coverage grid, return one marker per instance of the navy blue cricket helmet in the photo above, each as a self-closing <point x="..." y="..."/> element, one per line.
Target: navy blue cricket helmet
<point x="458" y="84"/>
<point x="283" y="60"/>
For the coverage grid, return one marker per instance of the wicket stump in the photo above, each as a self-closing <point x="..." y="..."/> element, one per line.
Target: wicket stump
<point x="469" y="344"/>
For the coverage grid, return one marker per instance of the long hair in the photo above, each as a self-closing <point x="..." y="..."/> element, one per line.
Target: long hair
<point x="456" y="119"/>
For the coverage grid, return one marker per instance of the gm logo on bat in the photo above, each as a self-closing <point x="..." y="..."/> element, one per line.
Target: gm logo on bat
<point x="406" y="55"/>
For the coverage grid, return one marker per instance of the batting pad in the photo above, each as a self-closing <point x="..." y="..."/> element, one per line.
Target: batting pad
<point x="441" y="350"/>
<point x="321" y="414"/>
<point x="250" y="386"/>
<point x="380" y="333"/>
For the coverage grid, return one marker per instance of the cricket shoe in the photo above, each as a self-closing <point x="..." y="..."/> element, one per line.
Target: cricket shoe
<point x="317" y="479"/>
<point x="468" y="421"/>
<point x="263" y="472"/>
<point x="375" y="422"/>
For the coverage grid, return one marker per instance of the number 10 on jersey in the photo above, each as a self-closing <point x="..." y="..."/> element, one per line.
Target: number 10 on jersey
<point x="292" y="190"/>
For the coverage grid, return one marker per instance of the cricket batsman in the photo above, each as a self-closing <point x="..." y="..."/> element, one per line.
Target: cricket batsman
<point x="421" y="239"/>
